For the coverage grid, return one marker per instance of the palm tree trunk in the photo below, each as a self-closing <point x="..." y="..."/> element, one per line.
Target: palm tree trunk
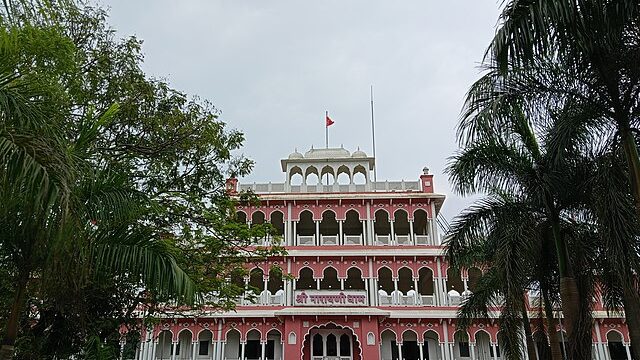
<point x="631" y="302"/>
<point x="633" y="161"/>
<point x="17" y="308"/>
<point x="569" y="294"/>
<point x="552" y="325"/>
<point x="526" y="323"/>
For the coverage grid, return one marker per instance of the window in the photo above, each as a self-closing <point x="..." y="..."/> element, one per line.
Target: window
<point x="464" y="349"/>
<point x="271" y="349"/>
<point x="204" y="347"/>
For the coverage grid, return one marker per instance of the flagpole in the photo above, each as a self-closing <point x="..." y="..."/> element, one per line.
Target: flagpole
<point x="326" y="129"/>
<point x="373" y="137"/>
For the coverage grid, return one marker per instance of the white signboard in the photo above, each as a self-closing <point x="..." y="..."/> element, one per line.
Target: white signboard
<point x="330" y="298"/>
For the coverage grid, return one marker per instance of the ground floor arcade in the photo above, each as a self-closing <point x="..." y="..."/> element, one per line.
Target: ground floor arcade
<point x="332" y="334"/>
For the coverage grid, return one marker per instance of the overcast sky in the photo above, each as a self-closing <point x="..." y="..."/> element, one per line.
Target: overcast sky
<point x="274" y="67"/>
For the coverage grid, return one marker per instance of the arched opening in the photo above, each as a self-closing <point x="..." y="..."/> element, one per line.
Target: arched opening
<point x="382" y="228"/>
<point x="253" y="348"/>
<point x="256" y="285"/>
<point x="425" y="286"/>
<point x="232" y="347"/>
<point x="275" y="287"/>
<point x="421" y="228"/>
<point x="257" y="218"/>
<point x="241" y="217"/>
<point x="474" y="277"/>
<point x="455" y="287"/>
<point x="277" y="221"/>
<point x="388" y="345"/>
<point x="295" y="176"/>
<point x="461" y="347"/>
<point x="306" y="229"/>
<point x="385" y="286"/>
<point x="274" y="345"/>
<point x="615" y="345"/>
<point x="359" y="175"/>
<point x="430" y="346"/>
<point x="184" y="348"/>
<point x="305" y="280"/>
<point x="410" y="349"/>
<point x="401" y="227"/>
<point x="163" y="349"/>
<point x="354" y="279"/>
<point x="330" y="342"/>
<point x="205" y="343"/>
<point x="483" y="346"/>
<point x="352" y="228"/>
<point x="329" y="228"/>
<point x="328" y="176"/>
<point x="344" y="176"/>
<point x="406" y="294"/>
<point x="238" y="286"/>
<point x="311" y="177"/>
<point x="329" y="279"/>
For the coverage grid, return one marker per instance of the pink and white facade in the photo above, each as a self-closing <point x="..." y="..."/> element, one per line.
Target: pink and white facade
<point x="368" y="279"/>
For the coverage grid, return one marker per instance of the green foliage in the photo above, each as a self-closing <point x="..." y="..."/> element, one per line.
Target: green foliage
<point x="112" y="185"/>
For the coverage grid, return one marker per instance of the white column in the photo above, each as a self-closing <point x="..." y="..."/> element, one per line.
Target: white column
<point x="417" y="295"/>
<point x="464" y="282"/>
<point x="214" y="349"/>
<point x="443" y="290"/>
<point x="399" y="350"/>
<point x="294" y="237"/>
<point x="266" y="300"/>
<point x="393" y="233"/>
<point x="412" y="236"/>
<point x="443" y="351"/>
<point x="365" y="240"/>
<point x="495" y="350"/>
<point x="223" y="348"/>
<point x="420" y="347"/>
<point x="318" y="284"/>
<point x="367" y="289"/>
<point x="264" y="355"/>
<point x="626" y="348"/>
<point x="472" y="347"/>
<point x="174" y="346"/>
<point x="395" y="299"/>
<point x="242" y="349"/>
<point x="154" y="346"/>
<point x="317" y="232"/>
<point x="341" y="284"/>
<point x="324" y="345"/>
<point x="193" y="353"/>
<point x="340" y="234"/>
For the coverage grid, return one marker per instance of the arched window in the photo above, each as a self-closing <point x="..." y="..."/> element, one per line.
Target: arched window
<point x="401" y="223"/>
<point x="277" y="221"/>
<point x="328" y="176"/>
<point x="354" y="279"/>
<point x="344" y="176"/>
<point x="359" y="175"/>
<point x="256" y="280"/>
<point x="330" y="279"/>
<point x="305" y="280"/>
<point x="311" y="176"/>
<point x="257" y="218"/>
<point x="405" y="280"/>
<point x="241" y="217"/>
<point x="296" y="177"/>
<point x="306" y="225"/>
<point x="329" y="224"/>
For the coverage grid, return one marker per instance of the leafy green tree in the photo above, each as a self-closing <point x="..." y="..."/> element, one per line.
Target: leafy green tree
<point x="106" y="201"/>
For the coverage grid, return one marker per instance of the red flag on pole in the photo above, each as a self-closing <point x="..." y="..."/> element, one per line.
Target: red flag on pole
<point x="329" y="122"/>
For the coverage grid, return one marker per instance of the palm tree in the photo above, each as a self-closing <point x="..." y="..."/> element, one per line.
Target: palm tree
<point x="496" y="234"/>
<point x="501" y="149"/>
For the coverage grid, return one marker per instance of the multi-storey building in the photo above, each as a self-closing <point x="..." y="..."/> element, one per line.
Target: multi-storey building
<point x="368" y="279"/>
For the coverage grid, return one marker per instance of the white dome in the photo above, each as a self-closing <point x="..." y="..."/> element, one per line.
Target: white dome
<point x="295" y="155"/>
<point x="359" y="154"/>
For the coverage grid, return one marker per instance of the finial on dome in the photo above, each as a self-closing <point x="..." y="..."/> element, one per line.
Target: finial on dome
<point x="425" y="170"/>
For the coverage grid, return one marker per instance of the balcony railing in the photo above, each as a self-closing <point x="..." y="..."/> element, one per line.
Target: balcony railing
<point x="397" y="298"/>
<point x="353" y="239"/>
<point x="377" y="186"/>
<point x="424" y="240"/>
<point x="306" y="240"/>
<point x="383" y="239"/>
<point x="403" y="240"/>
<point x="329" y="239"/>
